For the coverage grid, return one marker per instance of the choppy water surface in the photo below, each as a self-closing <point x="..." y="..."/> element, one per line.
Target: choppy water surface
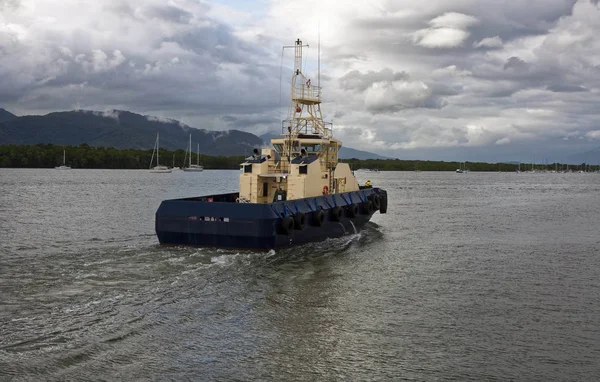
<point x="468" y="277"/>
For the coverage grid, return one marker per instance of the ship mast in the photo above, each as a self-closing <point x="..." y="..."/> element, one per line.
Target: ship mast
<point x="305" y="115"/>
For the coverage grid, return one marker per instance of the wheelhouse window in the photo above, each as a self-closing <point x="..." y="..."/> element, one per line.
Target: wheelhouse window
<point x="312" y="148"/>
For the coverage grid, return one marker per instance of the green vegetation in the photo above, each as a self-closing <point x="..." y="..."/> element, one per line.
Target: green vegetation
<point x="85" y="156"/>
<point x="417" y="165"/>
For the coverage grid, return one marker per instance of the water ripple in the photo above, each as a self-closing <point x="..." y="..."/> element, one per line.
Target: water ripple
<point x="483" y="277"/>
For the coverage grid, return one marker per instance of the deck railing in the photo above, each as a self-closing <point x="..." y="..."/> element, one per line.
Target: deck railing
<point x="307" y="128"/>
<point x="306" y="92"/>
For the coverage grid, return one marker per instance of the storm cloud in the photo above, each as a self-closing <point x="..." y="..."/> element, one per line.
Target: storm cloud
<point x="479" y="79"/>
<point x="173" y="60"/>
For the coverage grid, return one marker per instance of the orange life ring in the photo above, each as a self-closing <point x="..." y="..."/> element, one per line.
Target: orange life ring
<point x="325" y="190"/>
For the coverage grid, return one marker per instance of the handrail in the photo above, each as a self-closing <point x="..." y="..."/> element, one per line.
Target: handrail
<point x="306" y="92"/>
<point x="328" y="127"/>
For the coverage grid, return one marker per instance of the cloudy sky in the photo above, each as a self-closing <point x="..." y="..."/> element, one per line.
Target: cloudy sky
<point x="440" y="79"/>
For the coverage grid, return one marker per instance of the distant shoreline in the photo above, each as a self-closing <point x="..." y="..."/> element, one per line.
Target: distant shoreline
<point x="108" y="158"/>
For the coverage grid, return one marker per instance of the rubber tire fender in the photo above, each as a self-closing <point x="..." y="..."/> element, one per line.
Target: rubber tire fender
<point x="318" y="218"/>
<point x="367" y="207"/>
<point x="383" y="206"/>
<point x="376" y="201"/>
<point x="352" y="210"/>
<point x="286" y="225"/>
<point x="299" y="220"/>
<point x="335" y="214"/>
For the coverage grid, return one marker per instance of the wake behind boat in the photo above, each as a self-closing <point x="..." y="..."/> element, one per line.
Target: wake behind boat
<point x="294" y="193"/>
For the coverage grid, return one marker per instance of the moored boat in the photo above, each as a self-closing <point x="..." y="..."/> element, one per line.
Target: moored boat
<point x="193" y="167"/>
<point x="64" y="165"/>
<point x="293" y="193"/>
<point x="159" y="169"/>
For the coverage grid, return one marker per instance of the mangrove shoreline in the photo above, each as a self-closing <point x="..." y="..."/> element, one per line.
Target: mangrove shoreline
<point x="89" y="157"/>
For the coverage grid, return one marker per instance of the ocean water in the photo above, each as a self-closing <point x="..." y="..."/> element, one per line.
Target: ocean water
<point x="479" y="276"/>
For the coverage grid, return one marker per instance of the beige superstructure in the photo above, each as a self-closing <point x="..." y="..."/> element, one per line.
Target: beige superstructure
<point x="303" y="161"/>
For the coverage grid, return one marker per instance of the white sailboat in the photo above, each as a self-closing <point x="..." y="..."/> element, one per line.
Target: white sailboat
<point x="158" y="168"/>
<point x="462" y="168"/>
<point x="64" y="165"/>
<point x="193" y="167"/>
<point x="175" y="168"/>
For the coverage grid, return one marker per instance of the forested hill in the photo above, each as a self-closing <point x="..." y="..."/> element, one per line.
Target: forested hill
<point x="127" y="130"/>
<point x="123" y="130"/>
<point x="6" y="116"/>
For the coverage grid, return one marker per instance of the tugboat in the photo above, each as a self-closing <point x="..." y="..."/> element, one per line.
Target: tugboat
<point x="293" y="193"/>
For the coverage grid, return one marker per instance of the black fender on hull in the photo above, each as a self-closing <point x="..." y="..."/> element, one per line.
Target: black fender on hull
<point x="335" y="214"/>
<point x="286" y="225"/>
<point x="218" y="221"/>
<point x="299" y="220"/>
<point x="352" y="210"/>
<point x="318" y="218"/>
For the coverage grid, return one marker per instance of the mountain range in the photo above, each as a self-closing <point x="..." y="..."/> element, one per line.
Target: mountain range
<point x="123" y="130"/>
<point x="127" y="130"/>
<point x="588" y="157"/>
<point x="6" y="116"/>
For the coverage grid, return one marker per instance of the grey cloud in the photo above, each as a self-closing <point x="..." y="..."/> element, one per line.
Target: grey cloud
<point x="249" y="123"/>
<point x="353" y="131"/>
<point x="339" y="114"/>
<point x="121" y="8"/>
<point x="489" y="43"/>
<point x="10" y="4"/>
<point x="502" y="89"/>
<point x="194" y="69"/>
<point x="566" y="88"/>
<point x="516" y="63"/>
<point x="506" y="19"/>
<point x="358" y="81"/>
<point x="168" y="13"/>
<point x="391" y="100"/>
<point x="536" y="83"/>
<point x="229" y="118"/>
<point x="219" y="42"/>
<point x="387" y="91"/>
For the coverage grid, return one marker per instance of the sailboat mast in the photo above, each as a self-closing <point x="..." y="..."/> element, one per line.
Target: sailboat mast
<point x="64" y="157"/>
<point x="190" y="150"/>
<point x="157" y="146"/>
<point x="198" y="154"/>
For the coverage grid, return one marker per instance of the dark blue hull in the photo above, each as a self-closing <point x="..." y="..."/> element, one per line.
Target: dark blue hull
<point x="218" y="221"/>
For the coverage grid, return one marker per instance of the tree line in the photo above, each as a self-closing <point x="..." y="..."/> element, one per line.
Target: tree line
<point x="421" y="165"/>
<point x="85" y="156"/>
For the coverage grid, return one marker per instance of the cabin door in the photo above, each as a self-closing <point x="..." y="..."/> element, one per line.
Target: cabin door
<point x="340" y="185"/>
